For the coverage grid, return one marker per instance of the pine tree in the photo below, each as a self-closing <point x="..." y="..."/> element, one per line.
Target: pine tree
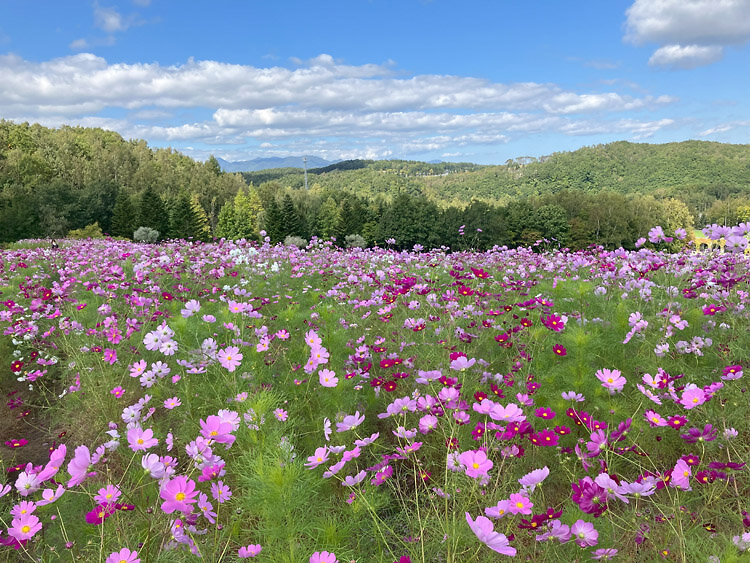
<point x="329" y="220"/>
<point x="292" y="223"/>
<point x="182" y="223"/>
<point x="202" y="226"/>
<point x="274" y="221"/>
<point x="152" y="213"/>
<point x="225" y="226"/>
<point x="123" y="216"/>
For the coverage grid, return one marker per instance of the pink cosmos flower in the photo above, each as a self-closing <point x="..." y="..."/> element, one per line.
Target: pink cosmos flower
<point x="509" y="413"/>
<point x="229" y="358"/>
<point x="584" y="533"/>
<point x="23" y="507"/>
<point x="100" y="513"/>
<point x="320" y="456"/>
<point x="323" y="557"/>
<point x="110" y="356"/>
<point x="141" y="440"/>
<point x="350" y="422"/>
<point x="328" y="378"/>
<point x="123" y="556"/>
<point x="485" y="531"/>
<point x="280" y="414"/>
<point x="169" y="404"/>
<point x="654" y="419"/>
<point x="178" y="494"/>
<point x="476" y="463"/>
<point x="214" y="428"/>
<point x="519" y="504"/>
<point x="79" y="466"/>
<point x="117" y="391"/>
<point x="249" y="551"/>
<point x="612" y="380"/>
<point x="220" y="492"/>
<point x="531" y="480"/>
<point x="681" y="475"/>
<point x="692" y="397"/>
<point x="108" y="494"/>
<point x="498" y="511"/>
<point x="24" y="527"/>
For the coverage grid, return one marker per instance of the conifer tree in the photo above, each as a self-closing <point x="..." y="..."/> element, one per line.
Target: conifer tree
<point x="292" y="222"/>
<point x="182" y="223"/>
<point x="274" y="221"/>
<point x="202" y="226"/>
<point x="123" y="216"/>
<point x="225" y="226"/>
<point x="152" y="213"/>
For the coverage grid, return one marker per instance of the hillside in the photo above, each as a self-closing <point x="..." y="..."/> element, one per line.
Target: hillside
<point x="698" y="172"/>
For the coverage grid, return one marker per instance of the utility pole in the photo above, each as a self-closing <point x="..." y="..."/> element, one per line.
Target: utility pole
<point x="304" y="159"/>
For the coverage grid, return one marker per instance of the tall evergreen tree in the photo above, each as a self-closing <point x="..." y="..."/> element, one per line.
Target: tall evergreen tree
<point x="152" y="213"/>
<point x="182" y="223"/>
<point x="292" y="224"/>
<point x="123" y="222"/>
<point x="225" y="226"/>
<point x="202" y="226"/>
<point x="274" y="221"/>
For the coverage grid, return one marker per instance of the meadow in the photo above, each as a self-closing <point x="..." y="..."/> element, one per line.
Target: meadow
<point x="235" y="400"/>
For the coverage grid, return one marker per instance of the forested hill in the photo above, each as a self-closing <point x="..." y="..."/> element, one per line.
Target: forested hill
<point x="54" y="181"/>
<point x="697" y="172"/>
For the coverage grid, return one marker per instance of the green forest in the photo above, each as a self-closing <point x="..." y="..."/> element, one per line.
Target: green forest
<point x="75" y="181"/>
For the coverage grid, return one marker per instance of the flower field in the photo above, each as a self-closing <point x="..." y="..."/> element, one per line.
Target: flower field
<point x="233" y="401"/>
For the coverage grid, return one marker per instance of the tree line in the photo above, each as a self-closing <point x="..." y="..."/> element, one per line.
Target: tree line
<point x="54" y="181"/>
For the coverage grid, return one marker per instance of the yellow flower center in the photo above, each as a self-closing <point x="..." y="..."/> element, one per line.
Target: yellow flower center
<point x="26" y="529"/>
<point x="475" y="465"/>
<point x="140" y="440"/>
<point x="180" y="497"/>
<point x="519" y="504"/>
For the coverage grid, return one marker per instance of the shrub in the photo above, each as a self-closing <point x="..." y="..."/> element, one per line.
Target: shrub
<point x="292" y="240"/>
<point x="89" y="231"/>
<point x="146" y="234"/>
<point x="355" y="241"/>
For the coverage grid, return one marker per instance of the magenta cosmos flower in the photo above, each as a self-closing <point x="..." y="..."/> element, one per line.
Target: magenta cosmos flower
<point x="485" y="531"/>
<point x="123" y="556"/>
<point x="178" y="494"/>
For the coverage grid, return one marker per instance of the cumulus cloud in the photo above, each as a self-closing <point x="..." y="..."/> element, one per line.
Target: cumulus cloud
<point x="366" y="107"/>
<point x="685" y="57"/>
<point x="692" y="32"/>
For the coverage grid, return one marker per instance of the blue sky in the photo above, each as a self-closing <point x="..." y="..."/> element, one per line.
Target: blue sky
<point x="470" y="80"/>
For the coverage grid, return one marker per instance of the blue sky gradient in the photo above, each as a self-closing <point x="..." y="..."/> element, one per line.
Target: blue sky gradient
<point x="478" y="81"/>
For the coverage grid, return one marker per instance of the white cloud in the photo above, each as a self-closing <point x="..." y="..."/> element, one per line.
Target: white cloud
<point x="704" y="22"/>
<point x="686" y="57"/>
<point x="109" y="19"/>
<point x="362" y="108"/>
<point x="79" y="44"/>
<point x="691" y="33"/>
<point x="724" y="127"/>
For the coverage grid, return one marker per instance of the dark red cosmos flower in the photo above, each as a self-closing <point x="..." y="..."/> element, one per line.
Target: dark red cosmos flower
<point x="16" y="366"/>
<point x="390" y="386"/>
<point x="167" y="296"/>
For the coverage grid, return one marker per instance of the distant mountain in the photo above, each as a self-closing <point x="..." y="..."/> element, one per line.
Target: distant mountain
<point x="272" y="162"/>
